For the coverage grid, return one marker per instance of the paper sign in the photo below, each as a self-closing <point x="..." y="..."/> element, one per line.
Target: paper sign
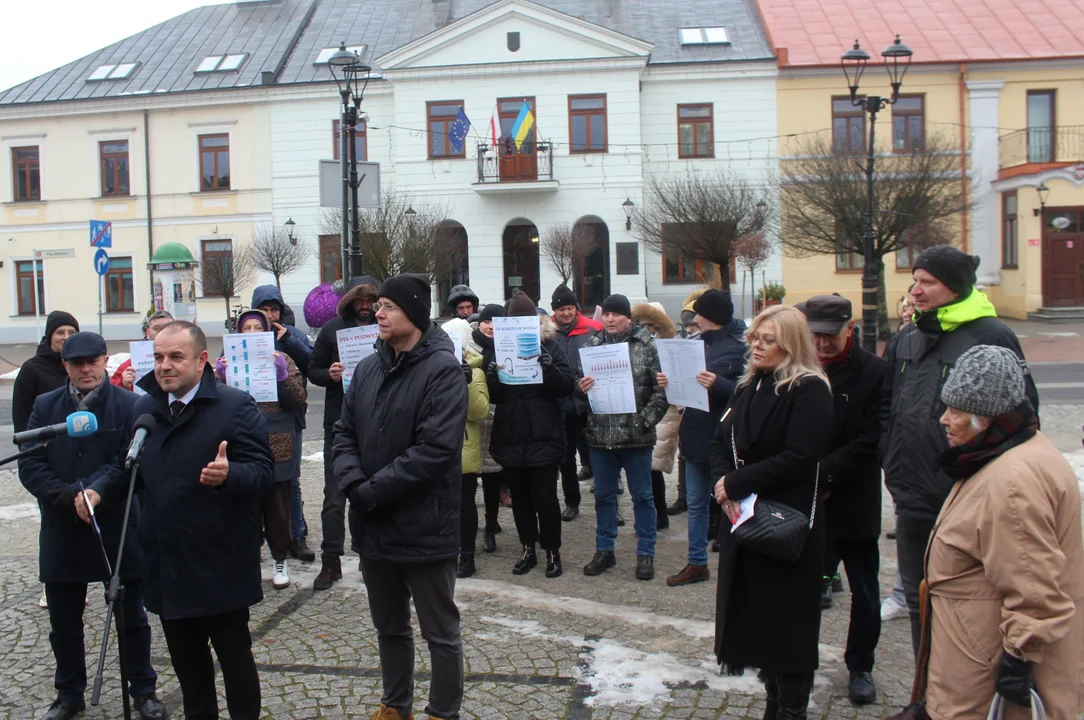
<point x="142" y="357"/>
<point x="681" y="360"/>
<point x="613" y="392"/>
<point x="517" y="345"/>
<point x="250" y="364"/>
<point x="457" y="342"/>
<point x="355" y="344"/>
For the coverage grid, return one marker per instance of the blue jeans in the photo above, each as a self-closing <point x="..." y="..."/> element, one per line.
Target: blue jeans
<point x="698" y="495"/>
<point x="607" y="465"/>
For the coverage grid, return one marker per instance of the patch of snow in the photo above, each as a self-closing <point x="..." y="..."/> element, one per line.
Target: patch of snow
<point x="20" y="511"/>
<point x="315" y="457"/>
<point x="10" y="375"/>
<point x="1058" y="334"/>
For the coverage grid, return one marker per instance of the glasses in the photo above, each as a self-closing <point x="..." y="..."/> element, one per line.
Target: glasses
<point x="385" y="308"/>
<point x="766" y="340"/>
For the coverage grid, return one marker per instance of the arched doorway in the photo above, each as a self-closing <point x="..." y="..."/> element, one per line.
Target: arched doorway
<point x="453" y="266"/>
<point x="592" y="286"/>
<point x="520" y="243"/>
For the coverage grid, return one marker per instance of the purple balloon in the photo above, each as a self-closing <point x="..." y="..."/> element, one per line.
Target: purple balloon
<point x="320" y="305"/>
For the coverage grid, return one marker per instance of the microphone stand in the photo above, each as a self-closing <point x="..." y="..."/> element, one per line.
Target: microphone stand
<point x="114" y="594"/>
<point x="24" y="453"/>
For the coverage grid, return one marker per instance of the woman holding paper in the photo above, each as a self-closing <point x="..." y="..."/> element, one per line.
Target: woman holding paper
<point x="284" y="433"/>
<point x="767" y="448"/>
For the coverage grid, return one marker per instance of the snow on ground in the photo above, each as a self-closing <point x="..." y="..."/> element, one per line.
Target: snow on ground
<point x="20" y="511"/>
<point x="315" y="457"/>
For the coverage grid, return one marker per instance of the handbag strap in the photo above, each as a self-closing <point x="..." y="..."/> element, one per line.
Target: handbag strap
<point x="816" y="481"/>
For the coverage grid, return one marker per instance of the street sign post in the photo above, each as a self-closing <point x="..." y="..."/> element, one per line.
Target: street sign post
<point x="101" y="266"/>
<point x="101" y="234"/>
<point x="40" y="256"/>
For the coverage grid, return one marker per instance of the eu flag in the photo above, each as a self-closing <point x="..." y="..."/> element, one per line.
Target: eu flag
<point x="458" y="132"/>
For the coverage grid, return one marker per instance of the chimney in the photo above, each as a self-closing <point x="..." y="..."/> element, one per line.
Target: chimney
<point x="267" y="77"/>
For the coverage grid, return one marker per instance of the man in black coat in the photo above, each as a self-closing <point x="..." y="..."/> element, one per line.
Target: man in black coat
<point x="397" y="456"/>
<point x="851" y="478"/>
<point x="355" y="309"/>
<point x="70" y="554"/>
<point x="202" y="471"/>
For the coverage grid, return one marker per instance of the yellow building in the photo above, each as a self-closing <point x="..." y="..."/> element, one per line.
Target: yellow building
<point x="1008" y="100"/>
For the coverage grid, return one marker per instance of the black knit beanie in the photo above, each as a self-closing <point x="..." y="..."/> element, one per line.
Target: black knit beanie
<point x="411" y="293"/>
<point x="617" y="304"/>
<point x="952" y="267"/>
<point x="56" y="319"/>
<point x="715" y="305"/>
<point x="563" y="296"/>
<point x="491" y="311"/>
<point x="521" y="305"/>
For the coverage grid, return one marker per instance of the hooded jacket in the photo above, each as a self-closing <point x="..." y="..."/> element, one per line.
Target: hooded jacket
<point x="461" y="293"/>
<point x="294" y="343"/>
<point x="724" y="355"/>
<point x="483" y="347"/>
<point x="631" y="430"/>
<point x="398" y="448"/>
<point x="477" y="413"/>
<point x="39" y="374"/>
<point x="571" y="339"/>
<point x="912" y="439"/>
<point x="326" y="350"/>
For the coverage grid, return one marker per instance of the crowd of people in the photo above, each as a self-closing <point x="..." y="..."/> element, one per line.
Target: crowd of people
<point x="781" y="475"/>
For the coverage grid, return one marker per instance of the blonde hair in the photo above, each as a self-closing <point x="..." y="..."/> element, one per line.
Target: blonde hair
<point x="792" y="335"/>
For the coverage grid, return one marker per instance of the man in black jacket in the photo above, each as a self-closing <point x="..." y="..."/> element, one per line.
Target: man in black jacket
<point x="70" y="554"/>
<point x="202" y="470"/>
<point x="355" y="309"/>
<point x="951" y="317"/>
<point x="851" y="478"/>
<point x="397" y="456"/>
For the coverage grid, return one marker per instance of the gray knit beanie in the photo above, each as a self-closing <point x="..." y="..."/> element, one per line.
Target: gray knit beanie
<point x="987" y="380"/>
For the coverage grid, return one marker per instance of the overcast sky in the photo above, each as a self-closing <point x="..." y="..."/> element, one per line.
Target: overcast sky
<point x="43" y="35"/>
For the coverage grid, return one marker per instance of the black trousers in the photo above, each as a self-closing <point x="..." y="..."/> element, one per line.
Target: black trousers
<point x="333" y="512"/>
<point x="468" y="513"/>
<point x="912" y="536"/>
<point x="788" y="695"/>
<point x="658" y="493"/>
<point x="862" y="561"/>
<point x="535" y="506"/>
<point x="187" y="640"/>
<point x="570" y="483"/>
<point x="276" y="520"/>
<point x="66" y="604"/>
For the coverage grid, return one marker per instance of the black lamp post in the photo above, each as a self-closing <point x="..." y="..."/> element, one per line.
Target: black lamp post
<point x="289" y="225"/>
<point x="1044" y="193"/>
<point x="897" y="57"/>
<point x="352" y="78"/>
<point x="627" y="206"/>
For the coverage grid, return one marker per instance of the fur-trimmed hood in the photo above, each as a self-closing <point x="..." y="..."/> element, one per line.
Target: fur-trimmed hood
<point x="362" y="286"/>
<point x="692" y="297"/>
<point x="648" y="314"/>
<point x="546" y="327"/>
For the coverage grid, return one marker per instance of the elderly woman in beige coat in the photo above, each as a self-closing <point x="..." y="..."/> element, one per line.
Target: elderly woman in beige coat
<point x="653" y="316"/>
<point x="1005" y="563"/>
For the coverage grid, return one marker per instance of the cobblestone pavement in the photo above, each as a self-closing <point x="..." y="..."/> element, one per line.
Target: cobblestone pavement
<point x="602" y="648"/>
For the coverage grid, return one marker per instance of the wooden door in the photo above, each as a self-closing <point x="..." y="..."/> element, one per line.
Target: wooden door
<point x="516" y="165"/>
<point x="1063" y="257"/>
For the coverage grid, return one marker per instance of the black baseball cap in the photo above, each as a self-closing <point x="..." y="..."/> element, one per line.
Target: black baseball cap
<point x="83" y="345"/>
<point x="827" y="314"/>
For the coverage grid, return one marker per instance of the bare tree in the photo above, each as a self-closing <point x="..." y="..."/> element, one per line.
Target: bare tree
<point x="753" y="251"/>
<point x="405" y="234"/>
<point x="274" y="252"/>
<point x="699" y="216"/>
<point x="566" y="248"/>
<point x="916" y="195"/>
<point x="225" y="276"/>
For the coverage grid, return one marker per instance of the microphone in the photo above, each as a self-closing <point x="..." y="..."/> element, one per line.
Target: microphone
<point x="144" y="426"/>
<point x="79" y="424"/>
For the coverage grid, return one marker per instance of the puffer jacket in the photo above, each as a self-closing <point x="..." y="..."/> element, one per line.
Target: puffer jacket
<point x="919" y="363"/>
<point x="483" y="346"/>
<point x="477" y="412"/>
<point x="630" y="430"/>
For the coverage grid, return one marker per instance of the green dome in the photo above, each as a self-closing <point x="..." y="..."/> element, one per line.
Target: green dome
<point x="173" y="254"/>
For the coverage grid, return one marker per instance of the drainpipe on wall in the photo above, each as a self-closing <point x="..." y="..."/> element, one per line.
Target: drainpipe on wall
<point x="963" y="155"/>
<point x="150" y="224"/>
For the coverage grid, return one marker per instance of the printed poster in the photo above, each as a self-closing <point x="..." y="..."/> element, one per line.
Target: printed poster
<point x="517" y="345"/>
<point x="613" y="392"/>
<point x="355" y="344"/>
<point x="681" y="360"/>
<point x="250" y="364"/>
<point x="142" y="356"/>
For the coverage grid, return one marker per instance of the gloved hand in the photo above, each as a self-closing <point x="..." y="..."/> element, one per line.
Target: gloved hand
<point x="220" y="369"/>
<point x="491" y="370"/>
<point x="545" y="359"/>
<point x="280" y="367"/>
<point x="63" y="499"/>
<point x="353" y="494"/>
<point x="1014" y="680"/>
<point x="468" y="372"/>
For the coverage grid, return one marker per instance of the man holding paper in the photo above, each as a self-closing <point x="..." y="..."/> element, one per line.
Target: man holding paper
<point x="620" y="439"/>
<point x="128" y="373"/>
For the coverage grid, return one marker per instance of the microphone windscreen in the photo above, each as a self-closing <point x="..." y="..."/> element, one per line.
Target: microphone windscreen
<point x="145" y="422"/>
<point x="82" y="424"/>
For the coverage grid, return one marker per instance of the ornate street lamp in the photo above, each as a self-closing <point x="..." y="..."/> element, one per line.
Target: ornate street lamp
<point x="351" y="76"/>
<point x="1044" y="193"/>
<point x="897" y="58"/>
<point x="289" y="225"/>
<point x="628" y="206"/>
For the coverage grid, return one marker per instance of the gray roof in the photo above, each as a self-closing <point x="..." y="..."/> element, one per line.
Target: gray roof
<point x="284" y="36"/>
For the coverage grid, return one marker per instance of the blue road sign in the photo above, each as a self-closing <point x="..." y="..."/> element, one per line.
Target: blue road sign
<point x="101" y="261"/>
<point x="101" y="234"/>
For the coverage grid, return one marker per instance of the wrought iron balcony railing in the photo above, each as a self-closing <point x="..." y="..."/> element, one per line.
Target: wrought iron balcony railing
<point x="1042" y="145"/>
<point x="532" y="162"/>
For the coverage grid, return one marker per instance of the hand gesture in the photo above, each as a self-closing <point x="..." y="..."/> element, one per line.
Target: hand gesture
<point x="586" y="384"/>
<point x="706" y="379"/>
<point x="545" y="359"/>
<point x="217" y="470"/>
<point x="280" y="330"/>
<point x="127" y="380"/>
<point x="335" y="372"/>
<point x="661" y="380"/>
<point x="81" y="506"/>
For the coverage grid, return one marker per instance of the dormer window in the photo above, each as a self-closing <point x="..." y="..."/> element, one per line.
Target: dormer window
<point x="324" y="55"/>
<point x="221" y="63"/>
<point x="715" y="35"/>
<point x="120" y="71"/>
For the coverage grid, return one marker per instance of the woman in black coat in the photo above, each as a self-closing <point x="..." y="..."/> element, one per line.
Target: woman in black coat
<point x="780" y="417"/>
<point x="528" y="441"/>
<point x="43" y="372"/>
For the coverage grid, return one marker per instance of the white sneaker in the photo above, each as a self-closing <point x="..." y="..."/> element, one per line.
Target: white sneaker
<point x="282" y="579"/>
<point x="891" y="610"/>
<point x="42" y="602"/>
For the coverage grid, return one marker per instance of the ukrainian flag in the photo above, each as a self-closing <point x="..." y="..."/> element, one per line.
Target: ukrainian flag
<point x="523" y="124"/>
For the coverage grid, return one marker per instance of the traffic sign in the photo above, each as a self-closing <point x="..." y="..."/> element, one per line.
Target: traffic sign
<point x="50" y="254"/>
<point x="101" y="234"/>
<point x="101" y="261"/>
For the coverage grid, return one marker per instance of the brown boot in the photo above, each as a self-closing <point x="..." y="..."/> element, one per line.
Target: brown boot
<point x="689" y="574"/>
<point x="389" y="713"/>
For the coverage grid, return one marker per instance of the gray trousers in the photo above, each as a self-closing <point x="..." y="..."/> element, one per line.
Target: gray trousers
<point x="432" y="586"/>
<point x="912" y="536"/>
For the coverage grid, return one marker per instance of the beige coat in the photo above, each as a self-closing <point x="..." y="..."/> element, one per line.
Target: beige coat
<point x="1005" y="568"/>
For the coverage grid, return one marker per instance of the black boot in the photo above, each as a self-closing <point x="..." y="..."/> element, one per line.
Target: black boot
<point x="645" y="567"/>
<point x="466" y="565"/>
<point x="826" y="594"/>
<point x="525" y="563"/>
<point x="658" y="493"/>
<point x="553" y="564"/>
<point x="603" y="561"/>
<point x="300" y="549"/>
<point x="64" y="710"/>
<point x="331" y="571"/>
<point x="490" y="542"/>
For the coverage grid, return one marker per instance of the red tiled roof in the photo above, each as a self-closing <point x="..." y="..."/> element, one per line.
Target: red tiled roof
<point x="817" y="32"/>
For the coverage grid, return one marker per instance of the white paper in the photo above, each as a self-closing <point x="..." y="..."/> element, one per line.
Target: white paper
<point x="746" y="507"/>
<point x="517" y="345"/>
<point x="142" y="356"/>
<point x="250" y="364"/>
<point x="457" y="343"/>
<point x="681" y="360"/>
<point x="613" y="392"/>
<point x="355" y="344"/>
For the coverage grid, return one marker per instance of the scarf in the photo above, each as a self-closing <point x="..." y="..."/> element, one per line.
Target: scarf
<point x="86" y="402"/>
<point x="1004" y="433"/>
<point x="843" y="356"/>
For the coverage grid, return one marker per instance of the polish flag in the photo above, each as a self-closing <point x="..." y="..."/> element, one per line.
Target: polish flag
<point x="495" y="128"/>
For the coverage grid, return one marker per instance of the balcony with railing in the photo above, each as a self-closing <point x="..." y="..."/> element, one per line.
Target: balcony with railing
<point x="1042" y="146"/>
<point x="506" y="169"/>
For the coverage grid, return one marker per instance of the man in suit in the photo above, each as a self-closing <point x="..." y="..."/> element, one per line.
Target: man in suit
<point x="203" y="470"/>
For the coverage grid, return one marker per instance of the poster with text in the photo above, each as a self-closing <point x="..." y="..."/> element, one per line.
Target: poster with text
<point x="613" y="392"/>
<point x="681" y="360"/>
<point x="250" y="364"/>
<point x="457" y="342"/>
<point x="517" y="346"/>
<point x="142" y="356"/>
<point x="355" y="344"/>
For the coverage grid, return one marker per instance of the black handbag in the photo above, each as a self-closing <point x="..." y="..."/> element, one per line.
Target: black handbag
<point x="777" y="530"/>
